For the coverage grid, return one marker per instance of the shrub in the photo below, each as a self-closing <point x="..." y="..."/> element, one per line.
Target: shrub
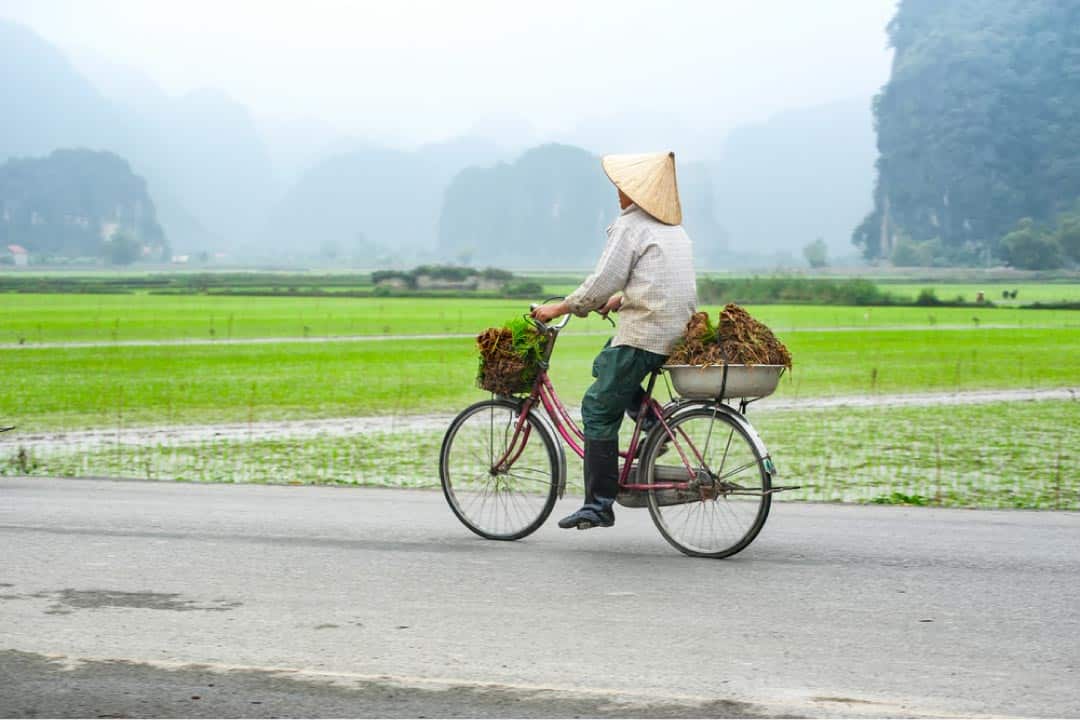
<point x="523" y="289"/>
<point x="1028" y="247"/>
<point x="909" y="253"/>
<point x="122" y="249"/>
<point x="927" y="297"/>
<point x="382" y="275"/>
<point x="496" y="274"/>
<point x="816" y="253"/>
<point x="452" y="273"/>
<point x="1068" y="237"/>
<point x="792" y="290"/>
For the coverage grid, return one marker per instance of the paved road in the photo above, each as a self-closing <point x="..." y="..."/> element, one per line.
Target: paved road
<point x="137" y="598"/>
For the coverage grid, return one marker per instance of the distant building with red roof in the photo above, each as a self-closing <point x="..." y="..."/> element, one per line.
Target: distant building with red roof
<point x="20" y="254"/>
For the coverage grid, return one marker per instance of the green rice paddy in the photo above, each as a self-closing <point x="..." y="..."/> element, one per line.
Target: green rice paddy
<point x="31" y="318"/>
<point x="1020" y="454"/>
<point x="123" y="386"/>
<point x="1026" y="292"/>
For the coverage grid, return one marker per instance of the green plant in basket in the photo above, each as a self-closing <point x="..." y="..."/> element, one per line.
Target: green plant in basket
<point x="510" y="357"/>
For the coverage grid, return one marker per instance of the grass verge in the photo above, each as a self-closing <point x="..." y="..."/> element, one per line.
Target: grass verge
<point x="994" y="455"/>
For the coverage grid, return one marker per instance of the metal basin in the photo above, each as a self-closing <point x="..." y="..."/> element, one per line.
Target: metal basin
<point x="699" y="382"/>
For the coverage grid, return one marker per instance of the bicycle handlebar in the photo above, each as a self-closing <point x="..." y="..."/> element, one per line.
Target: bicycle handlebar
<point x="544" y="327"/>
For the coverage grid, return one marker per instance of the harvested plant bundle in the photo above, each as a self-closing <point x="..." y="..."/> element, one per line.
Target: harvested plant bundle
<point x="739" y="340"/>
<point x="509" y="357"/>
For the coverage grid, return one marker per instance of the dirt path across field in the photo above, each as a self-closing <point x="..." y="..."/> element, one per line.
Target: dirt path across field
<point x="173" y="342"/>
<point x="170" y="435"/>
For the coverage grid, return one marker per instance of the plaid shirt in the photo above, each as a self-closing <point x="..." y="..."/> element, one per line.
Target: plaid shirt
<point x="652" y="263"/>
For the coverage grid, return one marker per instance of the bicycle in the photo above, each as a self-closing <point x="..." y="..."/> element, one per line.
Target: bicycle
<point x="502" y="467"/>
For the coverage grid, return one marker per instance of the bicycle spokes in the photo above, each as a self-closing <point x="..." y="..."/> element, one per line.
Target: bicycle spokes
<point x="727" y="496"/>
<point x="499" y="470"/>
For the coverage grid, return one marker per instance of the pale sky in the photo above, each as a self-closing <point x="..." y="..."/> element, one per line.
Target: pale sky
<point x="418" y="71"/>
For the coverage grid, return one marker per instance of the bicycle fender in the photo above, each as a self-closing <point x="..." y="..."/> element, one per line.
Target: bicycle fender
<point x="560" y="453"/>
<point x="740" y="420"/>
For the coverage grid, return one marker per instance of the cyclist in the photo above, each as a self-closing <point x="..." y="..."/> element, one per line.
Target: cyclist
<point x="649" y="260"/>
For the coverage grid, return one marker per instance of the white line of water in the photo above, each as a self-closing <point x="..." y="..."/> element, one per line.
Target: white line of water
<point x="32" y="345"/>
<point x="171" y="435"/>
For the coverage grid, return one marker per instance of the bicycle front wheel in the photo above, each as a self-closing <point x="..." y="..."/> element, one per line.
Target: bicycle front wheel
<point x="501" y="480"/>
<point x="728" y="500"/>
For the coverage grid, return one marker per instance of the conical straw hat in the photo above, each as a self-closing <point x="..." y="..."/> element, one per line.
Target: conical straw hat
<point x="648" y="180"/>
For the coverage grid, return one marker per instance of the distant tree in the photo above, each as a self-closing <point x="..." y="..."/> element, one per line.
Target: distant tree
<point x="452" y="273"/>
<point x="496" y="274"/>
<point x="1030" y="248"/>
<point x="380" y="277"/>
<point x="1068" y="234"/>
<point x="523" y="289"/>
<point x="816" y="253"/>
<point x="908" y="253"/>
<point x="122" y="248"/>
<point x="927" y="296"/>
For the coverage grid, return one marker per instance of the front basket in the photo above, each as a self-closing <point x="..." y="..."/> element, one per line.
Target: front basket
<point x="707" y="382"/>
<point x="516" y="382"/>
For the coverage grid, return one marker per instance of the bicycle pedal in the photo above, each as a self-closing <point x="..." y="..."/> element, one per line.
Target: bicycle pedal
<point x="585" y="525"/>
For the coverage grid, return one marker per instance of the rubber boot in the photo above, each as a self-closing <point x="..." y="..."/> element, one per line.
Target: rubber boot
<point x="601" y="486"/>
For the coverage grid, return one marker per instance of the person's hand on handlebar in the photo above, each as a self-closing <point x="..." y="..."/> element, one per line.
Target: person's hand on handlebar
<point x="548" y="312"/>
<point x="612" y="305"/>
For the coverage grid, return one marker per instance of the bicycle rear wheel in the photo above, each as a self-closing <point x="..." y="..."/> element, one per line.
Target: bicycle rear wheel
<point x="728" y="500"/>
<point x="506" y="502"/>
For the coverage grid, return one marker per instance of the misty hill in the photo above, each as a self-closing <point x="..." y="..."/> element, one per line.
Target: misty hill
<point x="370" y="200"/>
<point x="550" y="208"/>
<point x="200" y="153"/>
<point x="47" y="103"/>
<point x="212" y="145"/>
<point x="296" y="145"/>
<point x="977" y="126"/>
<point x="203" y="150"/>
<point x="801" y="175"/>
<point x="74" y="201"/>
<point x="547" y="207"/>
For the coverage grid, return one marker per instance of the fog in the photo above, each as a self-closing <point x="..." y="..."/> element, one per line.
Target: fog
<point x="255" y="124"/>
<point x="644" y="74"/>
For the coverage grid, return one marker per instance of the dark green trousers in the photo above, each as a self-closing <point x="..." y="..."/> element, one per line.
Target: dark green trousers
<point x="618" y="371"/>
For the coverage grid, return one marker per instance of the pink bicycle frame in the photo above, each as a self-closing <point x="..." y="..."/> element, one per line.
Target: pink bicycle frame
<point x="543" y="392"/>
